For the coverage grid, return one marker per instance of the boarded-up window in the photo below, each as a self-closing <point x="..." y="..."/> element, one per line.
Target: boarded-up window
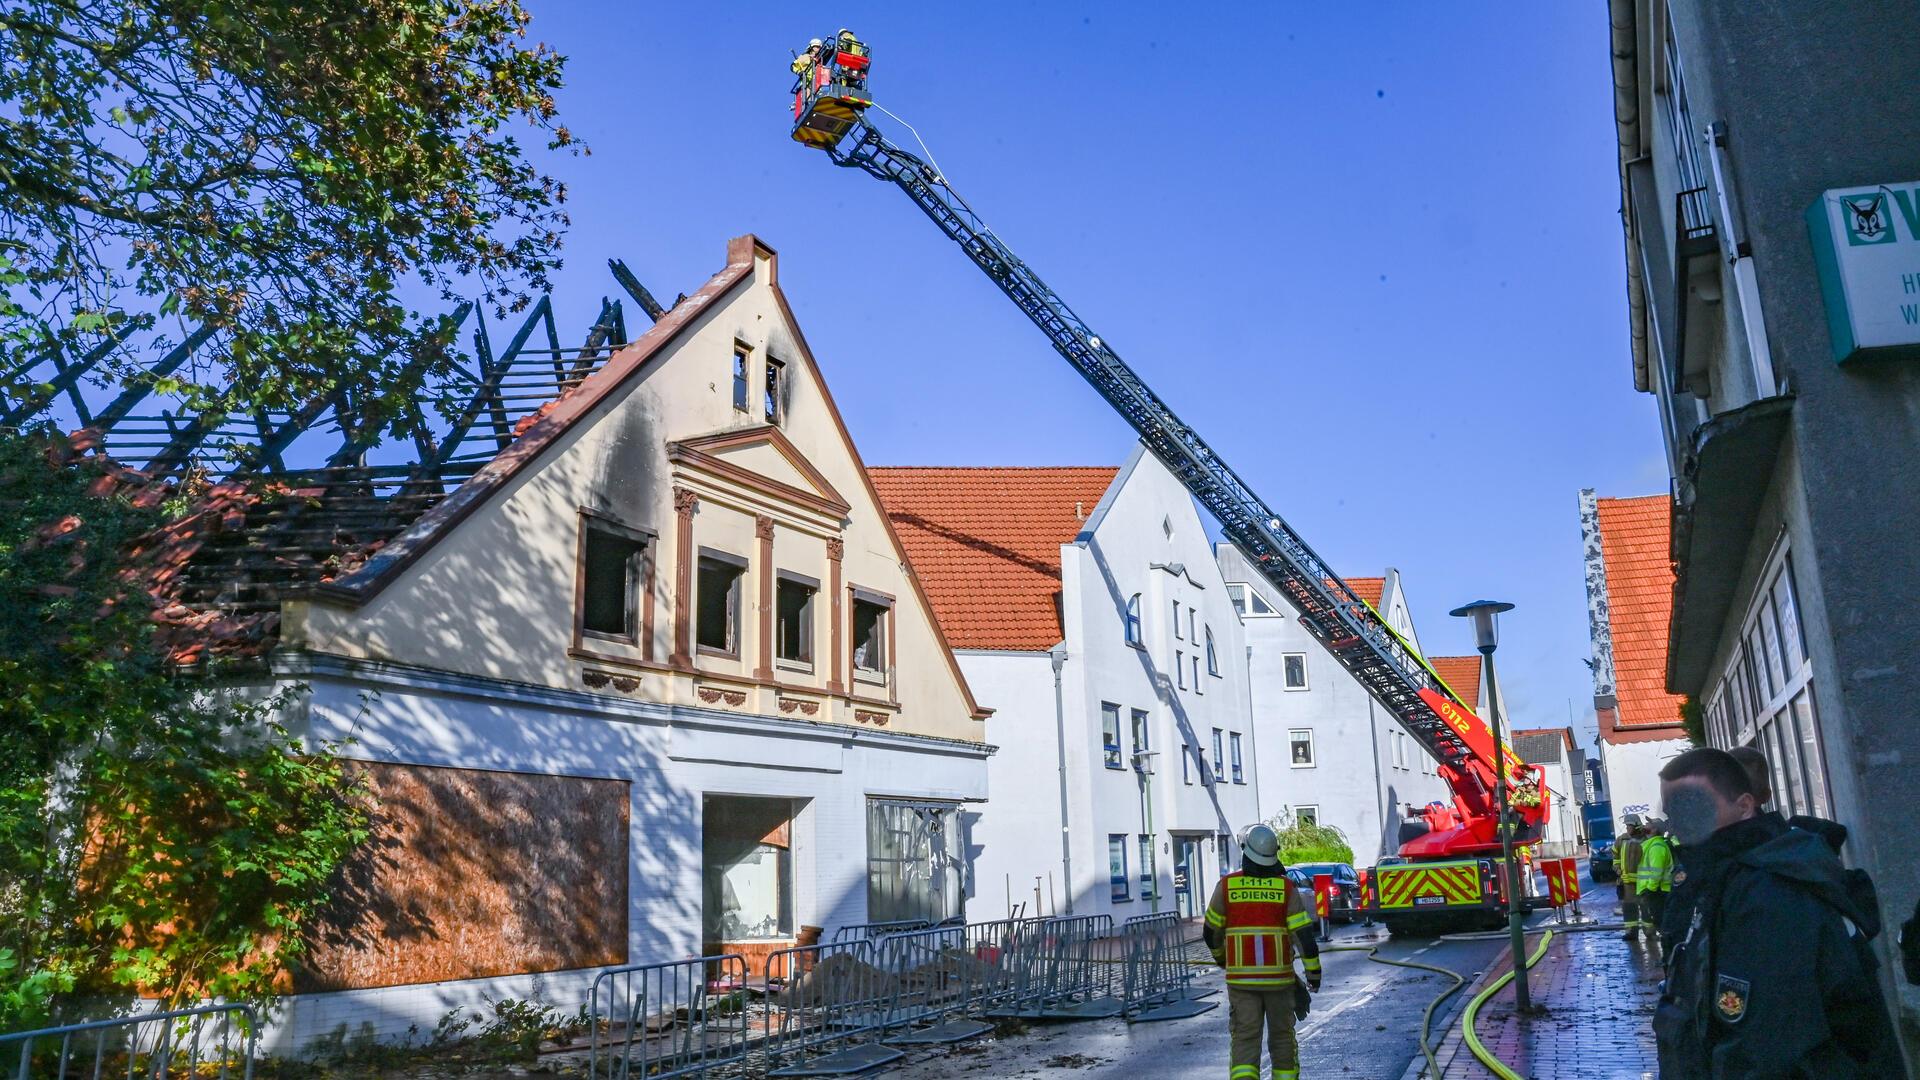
<point x="475" y="874"/>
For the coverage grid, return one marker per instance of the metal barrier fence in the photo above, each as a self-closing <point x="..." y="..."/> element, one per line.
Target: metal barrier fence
<point x="938" y="982"/>
<point x="1060" y="969"/>
<point x="678" y="1018"/>
<point x="871" y="931"/>
<point x="1158" y="982"/>
<point x="832" y="1003"/>
<point x="214" y="1041"/>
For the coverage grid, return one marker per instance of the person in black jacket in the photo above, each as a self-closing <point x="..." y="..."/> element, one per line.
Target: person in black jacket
<point x="1771" y="976"/>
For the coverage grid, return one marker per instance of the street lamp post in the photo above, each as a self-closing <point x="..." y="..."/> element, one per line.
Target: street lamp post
<point x="1486" y="634"/>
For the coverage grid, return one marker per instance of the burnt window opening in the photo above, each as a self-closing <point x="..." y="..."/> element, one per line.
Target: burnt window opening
<point x="717" y="604"/>
<point x="869" y="637"/>
<point x="612" y="572"/>
<point x="793" y="619"/>
<point x="770" y="399"/>
<point x="740" y="355"/>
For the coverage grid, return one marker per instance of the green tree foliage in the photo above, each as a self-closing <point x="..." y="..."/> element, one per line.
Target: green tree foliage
<point x="1310" y="842"/>
<point x="157" y="835"/>
<point x="277" y="169"/>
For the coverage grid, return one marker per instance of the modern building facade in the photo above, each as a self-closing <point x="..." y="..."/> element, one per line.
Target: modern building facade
<point x="1771" y="198"/>
<point x="657" y="681"/>
<point x="1327" y="750"/>
<point x="1088" y="615"/>
<point x="1629" y="607"/>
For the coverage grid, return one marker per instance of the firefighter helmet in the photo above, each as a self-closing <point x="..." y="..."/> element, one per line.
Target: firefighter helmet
<point x="1261" y="846"/>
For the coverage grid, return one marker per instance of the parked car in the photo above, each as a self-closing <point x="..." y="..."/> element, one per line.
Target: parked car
<point x="1600" y="861"/>
<point x="1346" y="886"/>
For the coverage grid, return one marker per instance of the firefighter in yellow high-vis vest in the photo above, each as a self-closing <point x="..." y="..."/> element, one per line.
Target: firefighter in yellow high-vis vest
<point x="1254" y="922"/>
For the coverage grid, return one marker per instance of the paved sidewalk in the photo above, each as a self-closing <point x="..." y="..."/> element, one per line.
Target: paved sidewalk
<point x="1597" y="993"/>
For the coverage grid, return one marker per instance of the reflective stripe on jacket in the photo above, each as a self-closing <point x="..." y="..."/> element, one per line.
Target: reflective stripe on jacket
<point x="1656" y="865"/>
<point x="1257" y="917"/>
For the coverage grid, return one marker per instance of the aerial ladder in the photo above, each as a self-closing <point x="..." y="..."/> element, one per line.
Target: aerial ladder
<point x="1452" y="867"/>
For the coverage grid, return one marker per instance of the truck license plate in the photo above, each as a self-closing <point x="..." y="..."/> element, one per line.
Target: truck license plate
<point x="1422" y="901"/>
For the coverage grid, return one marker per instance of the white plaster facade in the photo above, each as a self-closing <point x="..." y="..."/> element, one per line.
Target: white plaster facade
<point x="1633" y="775"/>
<point x="1363" y="769"/>
<point x="461" y="644"/>
<point x="1144" y="539"/>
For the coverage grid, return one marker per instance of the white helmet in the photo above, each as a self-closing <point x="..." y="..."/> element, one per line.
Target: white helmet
<point x="1261" y="846"/>
<point x="815" y="43"/>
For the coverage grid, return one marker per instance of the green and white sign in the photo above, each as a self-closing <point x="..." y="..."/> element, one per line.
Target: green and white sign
<point x="1866" y="244"/>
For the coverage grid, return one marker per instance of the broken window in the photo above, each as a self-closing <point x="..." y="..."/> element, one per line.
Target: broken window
<point x="717" y="615"/>
<point x="770" y="401"/>
<point x="611" y="576"/>
<point x="747" y="867"/>
<point x="793" y="618"/>
<point x="869" y="637"/>
<point x="740" y="355"/>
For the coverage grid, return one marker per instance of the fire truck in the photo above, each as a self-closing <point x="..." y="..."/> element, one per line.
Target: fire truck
<point x="1448" y="870"/>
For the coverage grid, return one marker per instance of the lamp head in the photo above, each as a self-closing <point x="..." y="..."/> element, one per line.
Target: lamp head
<point x="1486" y="630"/>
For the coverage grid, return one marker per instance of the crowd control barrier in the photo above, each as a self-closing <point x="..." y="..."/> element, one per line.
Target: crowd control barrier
<point x="832" y="1004"/>
<point x="938" y="982"/>
<point x="678" y="1018"/>
<point x="871" y="931"/>
<point x="212" y="1041"/>
<point x="1058" y="970"/>
<point x="1158" y="981"/>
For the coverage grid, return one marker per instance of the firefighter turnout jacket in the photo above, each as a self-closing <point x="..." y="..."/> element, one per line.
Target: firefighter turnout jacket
<point x="1772" y="974"/>
<point x="1656" y="865"/>
<point x="1254" y="922"/>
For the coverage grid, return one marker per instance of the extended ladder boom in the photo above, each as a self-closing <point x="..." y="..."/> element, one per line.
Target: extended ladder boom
<point x="1346" y="625"/>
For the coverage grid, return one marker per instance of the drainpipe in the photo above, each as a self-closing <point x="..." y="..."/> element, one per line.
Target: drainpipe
<point x="1253" y="737"/>
<point x="1379" y="784"/>
<point x="1058" y="654"/>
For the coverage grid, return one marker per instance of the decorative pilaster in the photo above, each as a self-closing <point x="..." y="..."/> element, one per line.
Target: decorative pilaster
<point x="763" y="528"/>
<point x="684" y="501"/>
<point x="836" y="552"/>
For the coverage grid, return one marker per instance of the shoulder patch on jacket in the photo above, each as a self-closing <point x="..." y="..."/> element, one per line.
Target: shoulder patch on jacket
<point x="1730" y="998"/>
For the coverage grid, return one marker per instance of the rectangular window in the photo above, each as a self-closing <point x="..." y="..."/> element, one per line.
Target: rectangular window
<point x="1300" y="747"/>
<point x="1219" y="758"/>
<point x="1110" y="734"/>
<point x="741" y="356"/>
<point x="1197" y="688"/>
<point x="1294" y="670"/>
<point x="1133" y="621"/>
<point x="1186" y="763"/>
<point x="717" y="603"/>
<point x="1191" y="636"/>
<point x="611" y="577"/>
<point x="1180" y="667"/>
<point x="1176" y="620"/>
<point x="1788" y="603"/>
<point x="1117" y="866"/>
<point x="747" y="868"/>
<point x="1811" y="759"/>
<point x="869" y="637"/>
<point x="1239" y="776"/>
<point x="1306" y="815"/>
<point x="770" y="400"/>
<point x="1237" y="595"/>
<point x="1223" y="851"/>
<point x="1149" y="880"/>
<point x="793" y="618"/>
<point x="1140" y="732"/>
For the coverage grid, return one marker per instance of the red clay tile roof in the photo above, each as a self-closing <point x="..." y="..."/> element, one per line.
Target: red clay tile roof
<point x="1635" y="543"/>
<point x="1369" y="589"/>
<point x="985" y="544"/>
<point x="1463" y="674"/>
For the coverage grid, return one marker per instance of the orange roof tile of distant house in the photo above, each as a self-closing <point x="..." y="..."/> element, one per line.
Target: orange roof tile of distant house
<point x="1463" y="674"/>
<point x="1635" y="543"/>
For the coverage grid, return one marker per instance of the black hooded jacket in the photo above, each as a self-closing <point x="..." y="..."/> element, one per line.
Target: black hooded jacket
<point x="1771" y="976"/>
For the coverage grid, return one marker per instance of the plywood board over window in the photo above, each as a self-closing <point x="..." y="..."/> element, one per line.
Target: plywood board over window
<point x="474" y="874"/>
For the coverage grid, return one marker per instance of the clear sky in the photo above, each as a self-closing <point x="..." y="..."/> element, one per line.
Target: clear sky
<point x="1372" y="252"/>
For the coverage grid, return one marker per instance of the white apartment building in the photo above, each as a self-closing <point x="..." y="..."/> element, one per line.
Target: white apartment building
<point x="1327" y="750"/>
<point x="1087" y="612"/>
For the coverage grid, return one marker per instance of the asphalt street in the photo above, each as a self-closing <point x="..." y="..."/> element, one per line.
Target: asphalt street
<point x="1365" y="1024"/>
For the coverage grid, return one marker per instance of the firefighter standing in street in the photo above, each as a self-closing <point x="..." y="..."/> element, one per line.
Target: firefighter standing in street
<point x="1254" y="921"/>
<point x="1655" y="879"/>
<point x="1626" y="857"/>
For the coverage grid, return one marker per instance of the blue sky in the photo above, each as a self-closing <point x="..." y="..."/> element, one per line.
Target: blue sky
<point x="1372" y="252"/>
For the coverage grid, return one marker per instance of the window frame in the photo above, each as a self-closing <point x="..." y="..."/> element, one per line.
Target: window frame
<point x="1186" y="762"/>
<point x="1307" y="813"/>
<point x="1149" y="872"/>
<point x="1139" y="723"/>
<point x="774" y="391"/>
<point x="1237" y="596"/>
<point x="882" y="675"/>
<point x="1179" y="669"/>
<point x="1111" y="748"/>
<point x="1239" y="765"/>
<point x="1286" y="683"/>
<point x="1213" y="657"/>
<point x="1219" y="755"/>
<point x="1119" y="881"/>
<point x="1313" y="753"/>
<point x="736" y="595"/>
<point x="1131" y="627"/>
<point x="810" y="621"/>
<point x="640" y="585"/>
<point x="742" y="376"/>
